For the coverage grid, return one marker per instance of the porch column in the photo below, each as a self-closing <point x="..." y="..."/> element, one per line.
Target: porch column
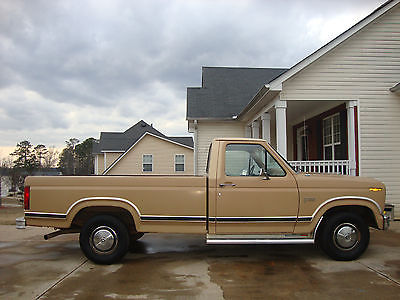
<point x="281" y="137"/>
<point x="351" y="134"/>
<point x="247" y="132"/>
<point x="266" y="127"/>
<point x="255" y="130"/>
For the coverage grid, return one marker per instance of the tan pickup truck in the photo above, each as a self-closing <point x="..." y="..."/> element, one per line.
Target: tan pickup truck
<point x="250" y="195"/>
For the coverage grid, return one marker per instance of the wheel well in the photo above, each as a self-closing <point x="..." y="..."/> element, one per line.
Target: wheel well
<point x="122" y="214"/>
<point x="364" y="212"/>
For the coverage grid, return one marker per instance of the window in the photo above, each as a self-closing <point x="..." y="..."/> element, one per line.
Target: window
<point x="250" y="160"/>
<point x="147" y="163"/>
<point x="179" y="162"/>
<point x="331" y="136"/>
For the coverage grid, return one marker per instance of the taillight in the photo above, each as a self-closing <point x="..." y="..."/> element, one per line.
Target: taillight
<point x="27" y="196"/>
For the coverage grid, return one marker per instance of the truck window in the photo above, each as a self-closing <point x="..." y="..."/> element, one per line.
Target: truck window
<point x="250" y="160"/>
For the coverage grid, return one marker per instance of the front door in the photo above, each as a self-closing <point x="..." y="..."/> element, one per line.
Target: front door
<point x="250" y="201"/>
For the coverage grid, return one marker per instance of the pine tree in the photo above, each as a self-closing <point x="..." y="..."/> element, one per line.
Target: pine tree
<point x="25" y="157"/>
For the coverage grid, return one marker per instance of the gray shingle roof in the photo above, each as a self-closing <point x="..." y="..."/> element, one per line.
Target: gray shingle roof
<point x="121" y="141"/>
<point x="185" y="140"/>
<point x="226" y="91"/>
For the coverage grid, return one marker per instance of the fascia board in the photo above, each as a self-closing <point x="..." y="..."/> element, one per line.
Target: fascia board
<point x="395" y="88"/>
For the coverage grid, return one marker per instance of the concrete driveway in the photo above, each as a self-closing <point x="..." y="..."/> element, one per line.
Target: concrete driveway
<point x="182" y="266"/>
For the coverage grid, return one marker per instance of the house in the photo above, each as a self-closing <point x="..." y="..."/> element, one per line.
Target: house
<point x="142" y="149"/>
<point x="336" y="111"/>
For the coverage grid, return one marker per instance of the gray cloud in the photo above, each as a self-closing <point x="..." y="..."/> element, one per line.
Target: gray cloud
<point x="79" y="67"/>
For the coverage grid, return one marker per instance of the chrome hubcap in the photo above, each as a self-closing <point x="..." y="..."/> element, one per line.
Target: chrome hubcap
<point x="103" y="240"/>
<point x="346" y="236"/>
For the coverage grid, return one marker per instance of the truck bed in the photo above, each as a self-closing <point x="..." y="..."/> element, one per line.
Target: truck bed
<point x="156" y="201"/>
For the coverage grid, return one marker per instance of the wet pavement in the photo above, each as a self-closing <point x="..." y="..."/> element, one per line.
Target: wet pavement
<point x="170" y="266"/>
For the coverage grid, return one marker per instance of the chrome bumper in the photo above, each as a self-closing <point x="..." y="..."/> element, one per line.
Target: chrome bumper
<point x="388" y="215"/>
<point x="20" y="223"/>
<point x="386" y="222"/>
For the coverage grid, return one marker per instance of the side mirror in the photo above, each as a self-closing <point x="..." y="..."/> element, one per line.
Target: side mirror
<point x="264" y="173"/>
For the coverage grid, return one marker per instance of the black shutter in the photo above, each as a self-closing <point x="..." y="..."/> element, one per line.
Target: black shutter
<point x="343" y="136"/>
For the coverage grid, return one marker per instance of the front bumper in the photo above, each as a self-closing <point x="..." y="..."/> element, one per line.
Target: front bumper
<point x="386" y="222"/>
<point x="388" y="215"/>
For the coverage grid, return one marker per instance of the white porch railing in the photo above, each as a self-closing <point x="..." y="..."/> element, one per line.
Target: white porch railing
<point x="322" y="166"/>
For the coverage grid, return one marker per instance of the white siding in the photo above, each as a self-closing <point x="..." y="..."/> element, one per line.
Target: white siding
<point x="207" y="131"/>
<point x="364" y="68"/>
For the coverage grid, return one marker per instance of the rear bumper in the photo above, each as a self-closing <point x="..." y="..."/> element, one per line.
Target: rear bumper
<point x="20" y="223"/>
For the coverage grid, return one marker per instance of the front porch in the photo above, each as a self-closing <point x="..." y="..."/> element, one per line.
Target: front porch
<point x="314" y="136"/>
<point x="341" y="167"/>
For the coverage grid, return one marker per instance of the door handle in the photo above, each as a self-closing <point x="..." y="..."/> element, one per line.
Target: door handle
<point x="226" y="184"/>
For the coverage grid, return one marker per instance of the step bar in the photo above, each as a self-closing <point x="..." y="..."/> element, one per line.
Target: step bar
<point x="223" y="239"/>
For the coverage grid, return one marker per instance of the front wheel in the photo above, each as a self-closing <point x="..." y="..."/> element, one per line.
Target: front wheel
<point x="104" y="239"/>
<point x="344" y="236"/>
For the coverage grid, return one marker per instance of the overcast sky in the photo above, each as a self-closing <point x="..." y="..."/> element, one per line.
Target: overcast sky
<point x="75" y="68"/>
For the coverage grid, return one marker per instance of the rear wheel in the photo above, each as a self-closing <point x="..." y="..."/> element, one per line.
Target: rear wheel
<point x="104" y="239"/>
<point x="344" y="236"/>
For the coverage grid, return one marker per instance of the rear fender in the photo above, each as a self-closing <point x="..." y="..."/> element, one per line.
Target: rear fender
<point x="75" y="208"/>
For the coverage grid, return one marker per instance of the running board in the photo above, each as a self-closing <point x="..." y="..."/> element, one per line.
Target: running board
<point x="223" y="239"/>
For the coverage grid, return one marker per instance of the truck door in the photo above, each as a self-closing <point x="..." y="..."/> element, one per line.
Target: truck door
<point x="255" y="192"/>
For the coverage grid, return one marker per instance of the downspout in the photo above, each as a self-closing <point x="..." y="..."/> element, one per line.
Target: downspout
<point x="195" y="154"/>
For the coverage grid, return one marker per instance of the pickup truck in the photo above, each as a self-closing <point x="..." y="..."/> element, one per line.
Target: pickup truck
<point x="250" y="195"/>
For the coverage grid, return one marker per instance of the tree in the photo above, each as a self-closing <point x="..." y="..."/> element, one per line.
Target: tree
<point x="77" y="158"/>
<point x="71" y="143"/>
<point x="51" y="157"/>
<point x="84" y="157"/>
<point x="6" y="162"/>
<point x="25" y="157"/>
<point x="40" y="151"/>
<point x="66" y="162"/>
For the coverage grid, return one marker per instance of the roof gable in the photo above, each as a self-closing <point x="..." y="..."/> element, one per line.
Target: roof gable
<point x="138" y="141"/>
<point x="121" y="141"/>
<point x="276" y="84"/>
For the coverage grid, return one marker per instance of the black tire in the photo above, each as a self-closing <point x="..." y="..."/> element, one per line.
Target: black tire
<point x="344" y="236"/>
<point x="104" y="239"/>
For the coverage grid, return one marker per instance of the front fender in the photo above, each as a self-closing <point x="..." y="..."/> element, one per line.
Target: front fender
<point x="310" y="222"/>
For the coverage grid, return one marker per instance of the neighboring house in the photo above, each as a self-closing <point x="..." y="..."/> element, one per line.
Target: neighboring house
<point x="337" y="110"/>
<point x="142" y="149"/>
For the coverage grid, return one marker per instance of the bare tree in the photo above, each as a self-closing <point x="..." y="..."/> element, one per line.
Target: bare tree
<point x="6" y="162"/>
<point x="50" y="159"/>
<point x="40" y="151"/>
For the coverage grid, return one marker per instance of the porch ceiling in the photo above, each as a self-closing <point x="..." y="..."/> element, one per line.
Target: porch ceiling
<point x="298" y="111"/>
